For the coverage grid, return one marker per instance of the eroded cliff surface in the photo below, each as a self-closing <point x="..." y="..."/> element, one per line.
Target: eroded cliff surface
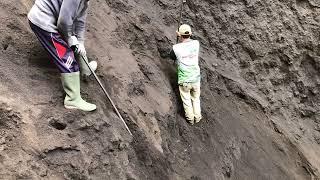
<point x="260" y="94"/>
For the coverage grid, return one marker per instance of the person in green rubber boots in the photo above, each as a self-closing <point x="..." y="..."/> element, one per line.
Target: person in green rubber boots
<point x="186" y="54"/>
<point x="60" y="27"/>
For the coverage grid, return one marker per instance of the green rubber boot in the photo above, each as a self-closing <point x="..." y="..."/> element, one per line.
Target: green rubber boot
<point x="73" y="100"/>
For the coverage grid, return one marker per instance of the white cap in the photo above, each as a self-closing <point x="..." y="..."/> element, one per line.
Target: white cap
<point x="185" y="29"/>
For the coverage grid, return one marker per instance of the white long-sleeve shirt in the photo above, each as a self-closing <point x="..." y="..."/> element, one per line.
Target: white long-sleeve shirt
<point x="66" y="17"/>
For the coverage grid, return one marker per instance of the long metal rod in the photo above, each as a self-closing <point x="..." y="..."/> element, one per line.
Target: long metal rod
<point x="106" y="93"/>
<point x="180" y="17"/>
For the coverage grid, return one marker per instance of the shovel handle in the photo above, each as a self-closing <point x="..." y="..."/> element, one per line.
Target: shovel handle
<point x="180" y="16"/>
<point x="106" y="93"/>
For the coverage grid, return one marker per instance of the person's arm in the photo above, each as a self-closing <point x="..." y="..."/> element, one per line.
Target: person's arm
<point x="80" y="23"/>
<point x="68" y="13"/>
<point x="172" y="55"/>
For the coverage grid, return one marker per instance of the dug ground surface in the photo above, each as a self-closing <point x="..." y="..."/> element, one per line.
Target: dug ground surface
<point x="260" y="62"/>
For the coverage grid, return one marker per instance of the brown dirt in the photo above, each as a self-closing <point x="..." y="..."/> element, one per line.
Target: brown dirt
<point x="260" y="95"/>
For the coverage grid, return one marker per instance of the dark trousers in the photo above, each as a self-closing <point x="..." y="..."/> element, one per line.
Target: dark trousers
<point x="59" y="51"/>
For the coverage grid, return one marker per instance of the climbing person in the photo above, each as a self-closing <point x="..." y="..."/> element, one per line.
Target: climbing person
<point x="186" y="54"/>
<point x="60" y="27"/>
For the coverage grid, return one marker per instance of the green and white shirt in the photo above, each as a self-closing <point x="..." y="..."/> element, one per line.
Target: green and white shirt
<point x="187" y="54"/>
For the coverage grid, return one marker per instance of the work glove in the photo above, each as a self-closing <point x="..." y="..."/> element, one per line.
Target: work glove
<point x="81" y="56"/>
<point x="77" y="47"/>
<point x="81" y="49"/>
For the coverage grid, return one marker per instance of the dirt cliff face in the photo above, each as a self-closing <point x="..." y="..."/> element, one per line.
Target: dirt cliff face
<point x="260" y="94"/>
